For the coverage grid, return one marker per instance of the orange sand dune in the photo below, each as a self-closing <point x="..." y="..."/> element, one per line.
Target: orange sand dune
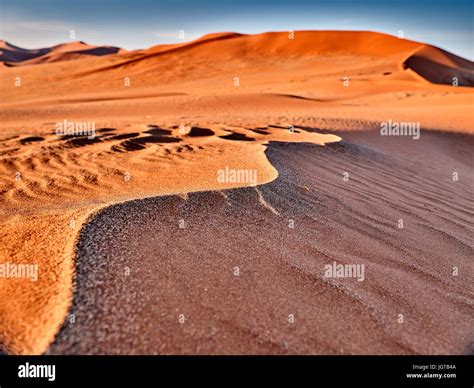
<point x="406" y="53"/>
<point x="338" y="71"/>
<point x="440" y="67"/>
<point x="15" y="56"/>
<point x="167" y="118"/>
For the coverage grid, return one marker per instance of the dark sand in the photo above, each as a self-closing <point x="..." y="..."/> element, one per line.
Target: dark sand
<point x="190" y="271"/>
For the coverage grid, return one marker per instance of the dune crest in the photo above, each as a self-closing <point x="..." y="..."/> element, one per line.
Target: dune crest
<point x="16" y="56"/>
<point x="224" y="46"/>
<point x="440" y="67"/>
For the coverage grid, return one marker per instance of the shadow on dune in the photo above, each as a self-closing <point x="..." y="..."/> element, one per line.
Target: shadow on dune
<point x="157" y="131"/>
<point x="155" y="139"/>
<point x="441" y="67"/>
<point x="124" y="136"/>
<point x="259" y="131"/>
<point x="197" y="132"/>
<point x="82" y="141"/>
<point x="237" y="136"/>
<point x="140" y="143"/>
<point x="106" y="130"/>
<point x="99" y="51"/>
<point x="31" y="139"/>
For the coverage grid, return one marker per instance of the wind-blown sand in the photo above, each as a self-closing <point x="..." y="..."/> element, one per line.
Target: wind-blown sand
<point x="185" y="116"/>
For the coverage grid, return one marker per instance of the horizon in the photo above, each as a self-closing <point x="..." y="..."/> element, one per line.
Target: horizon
<point x="31" y="25"/>
<point x="184" y="41"/>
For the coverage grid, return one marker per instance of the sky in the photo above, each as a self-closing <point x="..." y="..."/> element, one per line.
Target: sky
<point x="135" y="24"/>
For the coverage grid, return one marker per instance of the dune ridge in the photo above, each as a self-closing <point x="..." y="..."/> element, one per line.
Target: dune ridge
<point x="16" y="56"/>
<point x="281" y="268"/>
<point x="309" y="52"/>
<point x="439" y="66"/>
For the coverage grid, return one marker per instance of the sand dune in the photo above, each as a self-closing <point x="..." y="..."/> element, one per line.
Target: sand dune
<point x="11" y="53"/>
<point x="424" y="59"/>
<point x="262" y="62"/>
<point x="340" y="73"/>
<point x="16" y="56"/>
<point x="51" y="185"/>
<point x="190" y="271"/>
<point x="166" y="120"/>
<point x="441" y="67"/>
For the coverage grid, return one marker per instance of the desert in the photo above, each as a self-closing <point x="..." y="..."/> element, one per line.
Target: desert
<point x="186" y="198"/>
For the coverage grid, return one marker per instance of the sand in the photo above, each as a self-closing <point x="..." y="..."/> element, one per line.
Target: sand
<point x="182" y="295"/>
<point x="167" y="119"/>
<point x="11" y="55"/>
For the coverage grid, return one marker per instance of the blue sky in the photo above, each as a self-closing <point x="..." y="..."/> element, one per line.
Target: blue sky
<point x="134" y="24"/>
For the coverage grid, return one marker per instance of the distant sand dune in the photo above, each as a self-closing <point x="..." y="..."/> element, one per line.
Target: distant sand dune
<point x="16" y="56"/>
<point x="441" y="67"/>
<point x="227" y="46"/>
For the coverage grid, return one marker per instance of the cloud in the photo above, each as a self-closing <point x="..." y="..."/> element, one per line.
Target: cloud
<point x="37" y="26"/>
